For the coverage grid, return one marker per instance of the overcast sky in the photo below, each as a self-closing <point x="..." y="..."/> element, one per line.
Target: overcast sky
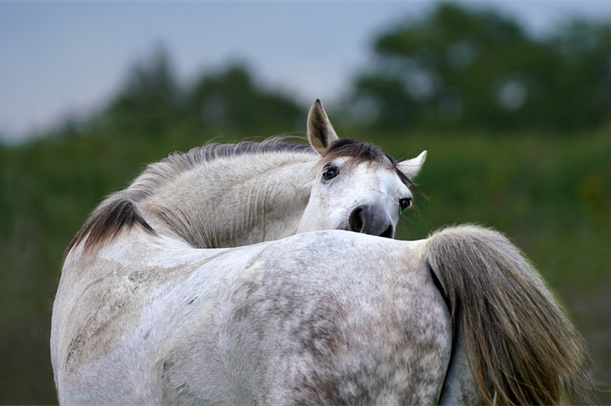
<point x="62" y="58"/>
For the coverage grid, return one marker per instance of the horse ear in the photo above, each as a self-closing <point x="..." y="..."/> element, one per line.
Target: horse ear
<point x="411" y="167"/>
<point x="320" y="131"/>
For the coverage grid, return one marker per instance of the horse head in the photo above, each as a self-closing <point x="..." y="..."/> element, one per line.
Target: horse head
<point x="357" y="187"/>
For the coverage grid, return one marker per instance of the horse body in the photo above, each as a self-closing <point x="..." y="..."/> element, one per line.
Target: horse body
<point x="322" y="317"/>
<point x="153" y="306"/>
<point x="283" y="322"/>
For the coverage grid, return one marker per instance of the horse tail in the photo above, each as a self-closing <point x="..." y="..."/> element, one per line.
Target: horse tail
<point x="519" y="344"/>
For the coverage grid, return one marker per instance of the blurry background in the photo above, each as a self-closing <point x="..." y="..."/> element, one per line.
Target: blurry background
<point x="512" y="100"/>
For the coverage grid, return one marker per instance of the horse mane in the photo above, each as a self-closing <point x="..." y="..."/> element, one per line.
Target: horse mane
<point x="119" y="210"/>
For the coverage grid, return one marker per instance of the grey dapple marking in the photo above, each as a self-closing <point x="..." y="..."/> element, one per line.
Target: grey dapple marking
<point x="293" y="321"/>
<point x="141" y="316"/>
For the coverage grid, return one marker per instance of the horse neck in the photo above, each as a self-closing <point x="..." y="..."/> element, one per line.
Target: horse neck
<point x="233" y="202"/>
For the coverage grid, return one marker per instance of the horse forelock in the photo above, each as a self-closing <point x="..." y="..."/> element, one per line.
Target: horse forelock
<point x="120" y="211"/>
<point x="360" y="151"/>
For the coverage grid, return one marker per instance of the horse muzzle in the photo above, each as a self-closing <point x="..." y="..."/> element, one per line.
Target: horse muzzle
<point x="371" y="219"/>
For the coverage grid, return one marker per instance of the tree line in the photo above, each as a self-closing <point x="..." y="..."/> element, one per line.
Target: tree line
<point x="478" y="68"/>
<point x="457" y="67"/>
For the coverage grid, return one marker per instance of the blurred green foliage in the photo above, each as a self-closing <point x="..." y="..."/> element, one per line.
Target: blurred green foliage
<point x="461" y="67"/>
<point x="152" y="102"/>
<point x="496" y="163"/>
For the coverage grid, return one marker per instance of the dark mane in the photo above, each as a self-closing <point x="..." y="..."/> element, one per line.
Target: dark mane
<point x="359" y="151"/>
<point x="119" y="210"/>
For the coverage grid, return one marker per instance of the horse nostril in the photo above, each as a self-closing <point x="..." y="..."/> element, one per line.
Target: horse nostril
<point x="355" y="221"/>
<point x="388" y="233"/>
<point x="369" y="219"/>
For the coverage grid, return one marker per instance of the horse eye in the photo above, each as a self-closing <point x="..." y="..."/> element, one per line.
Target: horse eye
<point x="405" y="203"/>
<point x="329" y="172"/>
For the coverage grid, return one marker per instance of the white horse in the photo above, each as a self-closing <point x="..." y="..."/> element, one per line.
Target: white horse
<point x="144" y="315"/>
<point x="231" y="195"/>
<point x="329" y="317"/>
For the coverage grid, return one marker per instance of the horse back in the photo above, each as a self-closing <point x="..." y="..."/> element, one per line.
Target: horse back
<point x="327" y="317"/>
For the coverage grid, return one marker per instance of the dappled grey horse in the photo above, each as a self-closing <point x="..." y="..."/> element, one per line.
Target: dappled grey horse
<point x="146" y="312"/>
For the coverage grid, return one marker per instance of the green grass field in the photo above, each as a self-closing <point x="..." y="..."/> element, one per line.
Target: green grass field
<point x="550" y="195"/>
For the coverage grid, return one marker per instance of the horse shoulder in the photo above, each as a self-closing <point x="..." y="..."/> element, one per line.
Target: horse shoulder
<point x="104" y="292"/>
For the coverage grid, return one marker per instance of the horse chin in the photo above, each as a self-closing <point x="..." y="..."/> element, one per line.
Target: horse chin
<point x="343" y="226"/>
<point x="388" y="233"/>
